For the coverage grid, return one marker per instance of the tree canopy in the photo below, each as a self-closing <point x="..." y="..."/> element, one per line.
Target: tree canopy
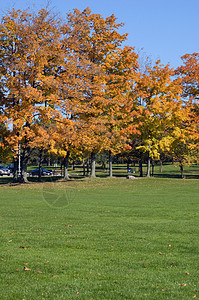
<point x="71" y="87"/>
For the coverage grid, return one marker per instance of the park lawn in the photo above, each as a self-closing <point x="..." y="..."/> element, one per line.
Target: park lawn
<point x="100" y="239"/>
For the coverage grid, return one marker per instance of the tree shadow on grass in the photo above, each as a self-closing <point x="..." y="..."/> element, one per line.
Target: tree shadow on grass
<point x="177" y="176"/>
<point x="44" y="179"/>
<point x="6" y="180"/>
<point x="167" y="176"/>
<point x="9" y="180"/>
<point x="191" y="176"/>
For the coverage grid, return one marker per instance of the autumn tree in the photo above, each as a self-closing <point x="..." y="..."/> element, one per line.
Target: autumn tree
<point x="121" y="101"/>
<point x="189" y="74"/>
<point x="98" y="39"/>
<point x="28" y="57"/>
<point x="5" y="151"/>
<point x="165" y="115"/>
<point x="95" y="38"/>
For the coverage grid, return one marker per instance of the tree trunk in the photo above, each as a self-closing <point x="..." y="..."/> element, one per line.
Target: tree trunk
<point x="84" y="168"/>
<point x="15" y="171"/>
<point x="110" y="164"/>
<point x="160" y="166"/>
<point x="148" y="167"/>
<point x="61" y="168"/>
<point x="127" y="165"/>
<point x="73" y="165"/>
<point x="152" y="167"/>
<point x="24" y="162"/>
<point x="140" y="168"/>
<point x="40" y="164"/>
<point x="182" y="171"/>
<point x="24" y="176"/>
<point x="66" y="163"/>
<point x="87" y="166"/>
<point x="103" y="166"/>
<point x="92" y="174"/>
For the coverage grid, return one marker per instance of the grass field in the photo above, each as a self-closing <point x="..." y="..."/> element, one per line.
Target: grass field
<point x="100" y="239"/>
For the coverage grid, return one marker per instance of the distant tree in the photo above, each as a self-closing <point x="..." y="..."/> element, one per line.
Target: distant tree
<point x="189" y="74"/>
<point x="99" y="40"/>
<point x="165" y="116"/>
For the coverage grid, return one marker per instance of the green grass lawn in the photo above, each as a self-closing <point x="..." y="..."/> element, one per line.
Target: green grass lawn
<point x="100" y="239"/>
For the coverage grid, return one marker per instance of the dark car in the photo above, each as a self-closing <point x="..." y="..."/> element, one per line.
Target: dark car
<point x="44" y="172"/>
<point x="4" y="170"/>
<point x="11" y="168"/>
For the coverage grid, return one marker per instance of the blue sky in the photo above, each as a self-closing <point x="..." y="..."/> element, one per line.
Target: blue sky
<point x="165" y="30"/>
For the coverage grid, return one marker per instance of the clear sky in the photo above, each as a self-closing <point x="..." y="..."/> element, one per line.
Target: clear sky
<point x="165" y="30"/>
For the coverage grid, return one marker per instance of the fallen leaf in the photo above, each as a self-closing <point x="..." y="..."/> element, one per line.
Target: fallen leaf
<point x="77" y="293"/>
<point x="187" y="273"/>
<point x="40" y="272"/>
<point x="27" y="269"/>
<point x="182" y="284"/>
<point x="162" y="290"/>
<point x="18" y="270"/>
<point x="55" y="276"/>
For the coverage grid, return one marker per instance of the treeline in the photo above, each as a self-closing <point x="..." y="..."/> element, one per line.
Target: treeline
<point x="70" y="88"/>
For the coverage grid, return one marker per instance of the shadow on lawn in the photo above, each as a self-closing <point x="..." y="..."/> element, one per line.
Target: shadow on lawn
<point x="5" y="180"/>
<point x="187" y="175"/>
<point x="167" y="176"/>
<point x="9" y="180"/>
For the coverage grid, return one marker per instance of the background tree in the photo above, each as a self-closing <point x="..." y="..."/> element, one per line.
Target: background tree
<point x="96" y="38"/>
<point x="164" y="112"/>
<point x="189" y="74"/>
<point x="121" y="109"/>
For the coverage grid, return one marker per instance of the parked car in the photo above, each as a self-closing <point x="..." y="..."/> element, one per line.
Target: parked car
<point x="4" y="170"/>
<point x="44" y="172"/>
<point x="11" y="168"/>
